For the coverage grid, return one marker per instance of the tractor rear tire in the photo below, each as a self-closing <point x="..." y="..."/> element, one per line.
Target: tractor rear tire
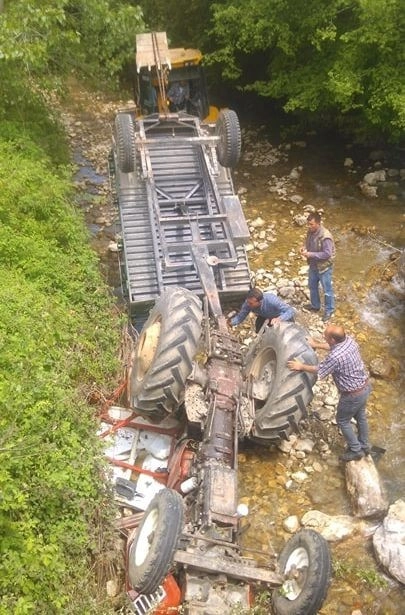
<point x="229" y="146"/>
<point x="280" y="396"/>
<point x="163" y="356"/>
<point x="125" y="142"/>
<point x="151" y="553"/>
<point x="306" y="564"/>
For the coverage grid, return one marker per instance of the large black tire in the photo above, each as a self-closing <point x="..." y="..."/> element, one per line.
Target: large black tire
<point x="125" y="142"/>
<point x="229" y="145"/>
<point x="163" y="356"/>
<point x="151" y="553"/>
<point x="306" y="563"/>
<point x="281" y="396"/>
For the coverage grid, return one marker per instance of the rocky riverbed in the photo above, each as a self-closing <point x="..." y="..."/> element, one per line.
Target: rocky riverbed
<point x="301" y="482"/>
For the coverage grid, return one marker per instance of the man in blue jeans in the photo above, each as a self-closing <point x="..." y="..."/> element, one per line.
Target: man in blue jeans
<point x="319" y="250"/>
<point x="345" y="365"/>
<point x="268" y="308"/>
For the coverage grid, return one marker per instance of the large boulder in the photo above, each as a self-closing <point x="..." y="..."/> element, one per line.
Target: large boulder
<point x="389" y="541"/>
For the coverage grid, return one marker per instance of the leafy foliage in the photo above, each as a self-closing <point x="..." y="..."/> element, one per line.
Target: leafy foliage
<point x="58" y="337"/>
<point x="339" y="57"/>
<point x="43" y="41"/>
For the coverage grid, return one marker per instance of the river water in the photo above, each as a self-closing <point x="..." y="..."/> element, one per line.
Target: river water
<point x="367" y="231"/>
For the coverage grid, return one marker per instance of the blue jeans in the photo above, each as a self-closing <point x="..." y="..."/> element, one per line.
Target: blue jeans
<point x="325" y="279"/>
<point x="353" y="406"/>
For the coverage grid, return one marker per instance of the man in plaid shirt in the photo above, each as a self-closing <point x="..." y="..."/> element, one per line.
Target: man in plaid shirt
<point x="345" y="365"/>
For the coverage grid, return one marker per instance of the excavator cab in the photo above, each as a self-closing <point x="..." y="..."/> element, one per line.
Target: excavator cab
<point x="162" y="71"/>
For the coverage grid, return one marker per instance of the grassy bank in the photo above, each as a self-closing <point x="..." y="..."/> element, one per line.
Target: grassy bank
<point x="59" y="336"/>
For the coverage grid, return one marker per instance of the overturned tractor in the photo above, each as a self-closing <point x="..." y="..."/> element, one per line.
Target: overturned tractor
<point x="193" y="395"/>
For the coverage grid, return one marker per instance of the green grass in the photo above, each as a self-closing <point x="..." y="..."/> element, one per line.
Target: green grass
<point x="59" y="339"/>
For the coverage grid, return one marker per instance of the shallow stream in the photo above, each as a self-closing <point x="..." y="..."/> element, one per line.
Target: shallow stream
<point x="367" y="231"/>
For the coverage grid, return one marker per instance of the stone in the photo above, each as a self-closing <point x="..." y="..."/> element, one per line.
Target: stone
<point x="296" y="198"/>
<point x="112" y="588"/>
<point x="389" y="541"/>
<point x="299" y="477"/>
<point x="257" y="223"/>
<point x="291" y="524"/>
<point x="367" y="190"/>
<point x="374" y="176"/>
<point x="332" y="528"/>
<point x="305" y="445"/>
<point x="300" y="219"/>
<point x="385" y="368"/>
<point x="348" y="162"/>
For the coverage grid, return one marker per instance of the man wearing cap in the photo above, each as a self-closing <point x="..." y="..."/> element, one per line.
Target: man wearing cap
<point x="345" y="365"/>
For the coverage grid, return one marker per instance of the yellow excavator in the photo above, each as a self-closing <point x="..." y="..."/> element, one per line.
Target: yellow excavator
<point x="161" y="70"/>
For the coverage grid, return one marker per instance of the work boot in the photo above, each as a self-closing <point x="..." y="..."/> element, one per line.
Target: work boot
<point x="327" y="316"/>
<point x="352" y="456"/>
<point x="310" y="308"/>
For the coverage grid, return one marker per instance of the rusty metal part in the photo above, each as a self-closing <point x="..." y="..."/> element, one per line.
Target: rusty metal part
<point x="236" y="569"/>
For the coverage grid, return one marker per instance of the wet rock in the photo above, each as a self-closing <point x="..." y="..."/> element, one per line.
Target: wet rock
<point x="375" y="176"/>
<point x="257" y="223"/>
<point x="393" y="172"/>
<point x="286" y="445"/>
<point x="389" y="541"/>
<point x="113" y="246"/>
<point x="305" y="445"/>
<point x="291" y="524"/>
<point x="300" y="219"/>
<point x="386" y="368"/>
<point x="367" y="190"/>
<point x="348" y="162"/>
<point x="296" y="198"/>
<point x="296" y="172"/>
<point x="299" y="477"/>
<point x="332" y="528"/>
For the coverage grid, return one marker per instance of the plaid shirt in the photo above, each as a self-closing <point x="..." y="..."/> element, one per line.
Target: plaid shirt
<point x="346" y="366"/>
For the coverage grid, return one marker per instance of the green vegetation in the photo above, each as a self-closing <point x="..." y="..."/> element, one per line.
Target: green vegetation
<point x="59" y="328"/>
<point x="59" y="337"/>
<point x="351" y="572"/>
<point x="335" y="63"/>
<point x="342" y="60"/>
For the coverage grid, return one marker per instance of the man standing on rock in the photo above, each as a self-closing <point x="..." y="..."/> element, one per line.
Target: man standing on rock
<point x="319" y="250"/>
<point x="351" y="379"/>
<point x="267" y="306"/>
